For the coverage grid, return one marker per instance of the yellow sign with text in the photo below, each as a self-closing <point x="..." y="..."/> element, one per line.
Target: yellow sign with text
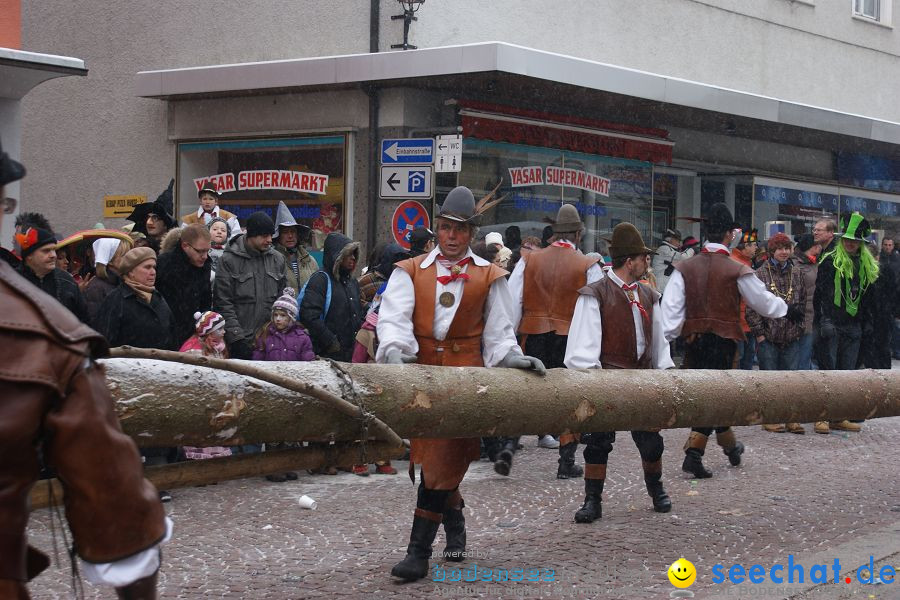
<point x="120" y="206"/>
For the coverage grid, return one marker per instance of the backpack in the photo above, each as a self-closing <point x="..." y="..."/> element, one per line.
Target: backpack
<point x="327" y="294"/>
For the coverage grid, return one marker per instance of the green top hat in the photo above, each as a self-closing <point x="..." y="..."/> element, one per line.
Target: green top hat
<point x="856" y="227"/>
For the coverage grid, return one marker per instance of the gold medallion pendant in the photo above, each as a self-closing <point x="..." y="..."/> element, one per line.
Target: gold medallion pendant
<point x="446" y="299"/>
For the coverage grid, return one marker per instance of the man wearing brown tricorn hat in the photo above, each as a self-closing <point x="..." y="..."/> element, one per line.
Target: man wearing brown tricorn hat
<point x="451" y="308"/>
<point x="544" y="286"/>
<point x="617" y="325"/>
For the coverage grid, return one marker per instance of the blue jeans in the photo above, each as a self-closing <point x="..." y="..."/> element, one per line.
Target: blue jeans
<point x="774" y="357"/>
<point x="804" y="360"/>
<point x="747" y="352"/>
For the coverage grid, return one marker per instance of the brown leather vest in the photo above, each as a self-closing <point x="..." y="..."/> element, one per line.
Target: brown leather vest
<point x="462" y="346"/>
<point x="53" y="399"/>
<point x="192" y="218"/>
<point x="619" y="347"/>
<point x="553" y="276"/>
<point x="712" y="300"/>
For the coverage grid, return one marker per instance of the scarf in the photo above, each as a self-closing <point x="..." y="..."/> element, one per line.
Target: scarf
<point x="144" y="292"/>
<point x="454" y="268"/>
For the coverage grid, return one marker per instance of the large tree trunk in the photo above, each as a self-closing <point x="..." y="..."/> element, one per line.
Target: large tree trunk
<point x="167" y="404"/>
<point x="213" y="470"/>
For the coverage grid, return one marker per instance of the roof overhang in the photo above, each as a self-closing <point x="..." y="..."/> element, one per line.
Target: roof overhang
<point x="20" y="71"/>
<point x="354" y="69"/>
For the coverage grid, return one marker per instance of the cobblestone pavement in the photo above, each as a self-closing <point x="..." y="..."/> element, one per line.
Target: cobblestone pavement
<point x="815" y="497"/>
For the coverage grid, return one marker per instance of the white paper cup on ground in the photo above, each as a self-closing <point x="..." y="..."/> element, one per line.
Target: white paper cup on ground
<point x="307" y="502"/>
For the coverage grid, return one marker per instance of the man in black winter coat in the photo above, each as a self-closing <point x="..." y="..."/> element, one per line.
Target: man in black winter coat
<point x="39" y="268"/>
<point x="183" y="276"/>
<point x="333" y="329"/>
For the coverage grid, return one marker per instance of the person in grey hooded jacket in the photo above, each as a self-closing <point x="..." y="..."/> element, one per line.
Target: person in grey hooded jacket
<point x="333" y="328"/>
<point x="298" y="263"/>
<point x="250" y="277"/>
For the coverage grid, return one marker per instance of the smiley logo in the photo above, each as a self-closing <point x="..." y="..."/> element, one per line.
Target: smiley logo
<point x="682" y="573"/>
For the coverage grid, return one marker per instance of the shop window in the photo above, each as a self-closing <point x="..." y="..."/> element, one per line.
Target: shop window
<point x="308" y="174"/>
<point x="606" y="191"/>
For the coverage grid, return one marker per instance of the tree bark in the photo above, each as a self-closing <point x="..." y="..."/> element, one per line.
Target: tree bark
<point x="204" y="472"/>
<point x="167" y="404"/>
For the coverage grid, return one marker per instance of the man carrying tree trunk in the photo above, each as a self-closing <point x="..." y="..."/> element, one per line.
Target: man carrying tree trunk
<point x="617" y="325"/>
<point x="544" y="286"/>
<point x="447" y="308"/>
<point x="702" y="303"/>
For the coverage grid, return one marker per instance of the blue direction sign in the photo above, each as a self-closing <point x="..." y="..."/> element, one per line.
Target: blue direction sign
<point x="413" y="151"/>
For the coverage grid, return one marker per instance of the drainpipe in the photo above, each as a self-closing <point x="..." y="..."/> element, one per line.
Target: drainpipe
<point x="374" y="154"/>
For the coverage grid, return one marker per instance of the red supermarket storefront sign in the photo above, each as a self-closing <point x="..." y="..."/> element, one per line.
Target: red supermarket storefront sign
<point x="292" y="181"/>
<point x="574" y="178"/>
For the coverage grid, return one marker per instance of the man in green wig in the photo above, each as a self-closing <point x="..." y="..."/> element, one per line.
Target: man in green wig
<point x="841" y="310"/>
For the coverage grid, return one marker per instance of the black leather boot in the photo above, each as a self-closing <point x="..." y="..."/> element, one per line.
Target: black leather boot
<point x="567" y="467"/>
<point x="734" y="454"/>
<point x="730" y="446"/>
<point x="591" y="510"/>
<point x="661" y="501"/>
<point x="503" y="464"/>
<point x="429" y="510"/>
<point x="455" y="530"/>
<point x="693" y="464"/>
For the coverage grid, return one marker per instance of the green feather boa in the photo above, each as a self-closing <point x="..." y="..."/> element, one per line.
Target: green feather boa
<point x="843" y="274"/>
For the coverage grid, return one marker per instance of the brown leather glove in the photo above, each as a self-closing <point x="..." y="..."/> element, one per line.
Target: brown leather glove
<point x="142" y="589"/>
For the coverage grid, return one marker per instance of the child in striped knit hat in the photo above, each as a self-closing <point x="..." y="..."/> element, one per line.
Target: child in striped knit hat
<point x="208" y="340"/>
<point x="209" y="336"/>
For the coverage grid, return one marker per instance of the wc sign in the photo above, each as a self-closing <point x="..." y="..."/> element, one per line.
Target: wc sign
<point x="407" y="181"/>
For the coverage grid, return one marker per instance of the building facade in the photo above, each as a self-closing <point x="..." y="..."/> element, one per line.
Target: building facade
<point x="647" y="112"/>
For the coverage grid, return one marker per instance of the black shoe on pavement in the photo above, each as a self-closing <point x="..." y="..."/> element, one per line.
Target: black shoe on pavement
<point x="165" y="496"/>
<point x="661" y="501"/>
<point x="693" y="464"/>
<point x="592" y="509"/>
<point x="734" y="455"/>
<point x="276" y="478"/>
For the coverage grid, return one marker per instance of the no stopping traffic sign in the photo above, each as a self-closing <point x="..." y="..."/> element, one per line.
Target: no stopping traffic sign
<point x="407" y="216"/>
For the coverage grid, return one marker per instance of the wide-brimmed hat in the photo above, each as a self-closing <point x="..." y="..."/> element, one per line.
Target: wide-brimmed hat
<point x="10" y="170"/>
<point x="720" y="218"/>
<point x="460" y="205"/>
<point x="284" y="218"/>
<point x="141" y="211"/>
<point x="208" y="187"/>
<point x="567" y="220"/>
<point x="627" y="241"/>
<point x="672" y="233"/>
<point x="855" y="227"/>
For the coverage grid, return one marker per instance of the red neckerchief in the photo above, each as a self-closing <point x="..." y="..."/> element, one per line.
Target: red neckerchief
<point x="634" y="299"/>
<point x="725" y="252"/>
<point x="563" y="244"/>
<point x="455" y="269"/>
